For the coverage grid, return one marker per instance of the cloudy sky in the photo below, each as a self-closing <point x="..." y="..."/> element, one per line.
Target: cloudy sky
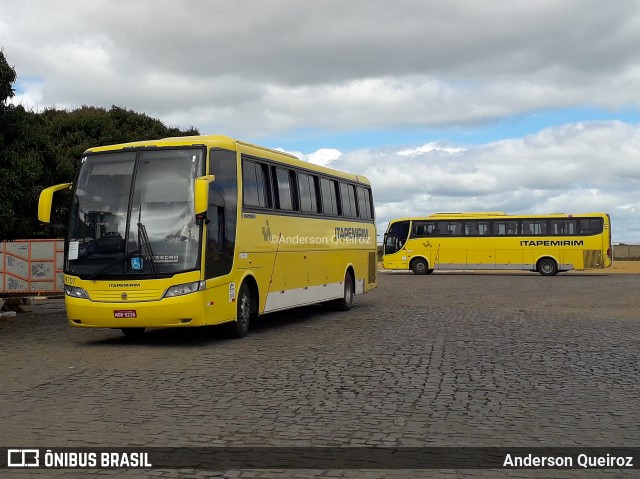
<point x="520" y="106"/>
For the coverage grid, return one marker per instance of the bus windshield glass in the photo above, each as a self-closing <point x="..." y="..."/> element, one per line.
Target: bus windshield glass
<point x="133" y="214"/>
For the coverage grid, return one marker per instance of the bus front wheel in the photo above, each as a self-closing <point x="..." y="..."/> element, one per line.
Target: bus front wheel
<point x="240" y="327"/>
<point x="547" y="267"/>
<point x="420" y="266"/>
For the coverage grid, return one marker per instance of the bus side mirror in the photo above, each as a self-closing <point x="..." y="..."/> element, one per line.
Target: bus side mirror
<point x="46" y="199"/>
<point x="201" y="193"/>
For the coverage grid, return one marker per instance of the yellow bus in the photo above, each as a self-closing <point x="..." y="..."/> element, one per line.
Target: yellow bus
<point x="204" y="230"/>
<point x="547" y="244"/>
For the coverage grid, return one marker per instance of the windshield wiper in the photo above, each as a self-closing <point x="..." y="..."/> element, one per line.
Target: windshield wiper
<point x="144" y="245"/>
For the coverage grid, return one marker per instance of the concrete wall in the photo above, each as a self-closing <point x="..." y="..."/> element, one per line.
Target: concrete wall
<point x="626" y="251"/>
<point x="31" y="266"/>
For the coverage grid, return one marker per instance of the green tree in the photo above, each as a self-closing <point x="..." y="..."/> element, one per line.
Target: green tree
<point x="7" y="79"/>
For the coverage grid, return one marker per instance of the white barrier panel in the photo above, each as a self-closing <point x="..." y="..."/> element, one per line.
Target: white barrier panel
<point x="31" y="266"/>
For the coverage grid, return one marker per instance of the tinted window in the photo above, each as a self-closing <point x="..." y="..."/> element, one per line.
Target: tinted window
<point x="534" y="227"/>
<point x="397" y="236"/>
<point x="505" y="228"/>
<point x="255" y="185"/>
<point x="364" y="203"/>
<point x="450" y="228"/>
<point x="329" y="196"/>
<point x="348" y="200"/>
<point x="283" y="188"/>
<point x="423" y="228"/>
<point x="471" y="228"/>
<point x="221" y="214"/>
<point x="590" y="226"/>
<point x="563" y="227"/>
<point x="308" y="193"/>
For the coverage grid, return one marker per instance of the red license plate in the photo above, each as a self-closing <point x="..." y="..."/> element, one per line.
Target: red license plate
<point x="128" y="313"/>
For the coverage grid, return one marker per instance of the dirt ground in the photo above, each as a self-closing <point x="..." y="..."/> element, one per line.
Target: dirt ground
<point x="626" y="267"/>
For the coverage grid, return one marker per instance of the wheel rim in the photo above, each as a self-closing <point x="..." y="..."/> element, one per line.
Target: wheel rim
<point x="420" y="266"/>
<point x="547" y="267"/>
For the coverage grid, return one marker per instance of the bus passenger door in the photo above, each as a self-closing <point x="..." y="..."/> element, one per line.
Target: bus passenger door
<point x="394" y="255"/>
<point x="394" y="251"/>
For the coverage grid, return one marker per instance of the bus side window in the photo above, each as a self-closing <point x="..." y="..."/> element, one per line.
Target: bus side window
<point x="328" y="189"/>
<point x="590" y="226"/>
<point x="218" y="260"/>
<point x="364" y="203"/>
<point x="307" y="191"/>
<point x="483" y="228"/>
<point x="348" y="200"/>
<point x="471" y="228"/>
<point x="284" y="191"/>
<point x="570" y="227"/>
<point x="255" y="189"/>
<point x="431" y="229"/>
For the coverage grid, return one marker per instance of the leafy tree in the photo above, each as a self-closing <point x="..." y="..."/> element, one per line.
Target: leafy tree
<point x="7" y="78"/>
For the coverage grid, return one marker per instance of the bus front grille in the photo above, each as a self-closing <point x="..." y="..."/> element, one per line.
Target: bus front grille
<point x="131" y="296"/>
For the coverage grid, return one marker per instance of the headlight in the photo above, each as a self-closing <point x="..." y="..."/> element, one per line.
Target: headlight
<point x="75" y="292"/>
<point x="182" y="289"/>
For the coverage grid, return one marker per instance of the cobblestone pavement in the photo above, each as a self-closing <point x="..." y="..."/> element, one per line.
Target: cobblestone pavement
<point x="514" y="360"/>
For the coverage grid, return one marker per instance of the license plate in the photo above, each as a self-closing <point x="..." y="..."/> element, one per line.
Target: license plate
<point x="128" y="313"/>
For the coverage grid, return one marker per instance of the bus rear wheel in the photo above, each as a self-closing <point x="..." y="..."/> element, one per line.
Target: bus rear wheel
<point x="420" y="266"/>
<point x="134" y="333"/>
<point x="345" y="303"/>
<point x="547" y="267"/>
<point x="240" y="327"/>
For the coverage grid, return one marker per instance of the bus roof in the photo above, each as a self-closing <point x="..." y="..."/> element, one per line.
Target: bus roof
<point x="493" y="215"/>
<point x="226" y="142"/>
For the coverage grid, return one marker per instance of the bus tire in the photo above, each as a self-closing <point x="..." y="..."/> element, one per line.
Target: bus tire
<point x="345" y="303"/>
<point x="134" y="333"/>
<point x="240" y="327"/>
<point x="547" y="267"/>
<point x="420" y="266"/>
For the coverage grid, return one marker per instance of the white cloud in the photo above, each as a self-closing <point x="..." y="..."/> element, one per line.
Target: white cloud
<point x="245" y="68"/>
<point x="429" y="148"/>
<point x="325" y="156"/>
<point x="575" y="168"/>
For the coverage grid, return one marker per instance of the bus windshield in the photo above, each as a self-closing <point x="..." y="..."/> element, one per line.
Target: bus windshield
<point x="133" y="214"/>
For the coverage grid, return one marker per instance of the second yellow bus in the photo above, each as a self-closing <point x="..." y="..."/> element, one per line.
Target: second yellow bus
<point x="547" y="244"/>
